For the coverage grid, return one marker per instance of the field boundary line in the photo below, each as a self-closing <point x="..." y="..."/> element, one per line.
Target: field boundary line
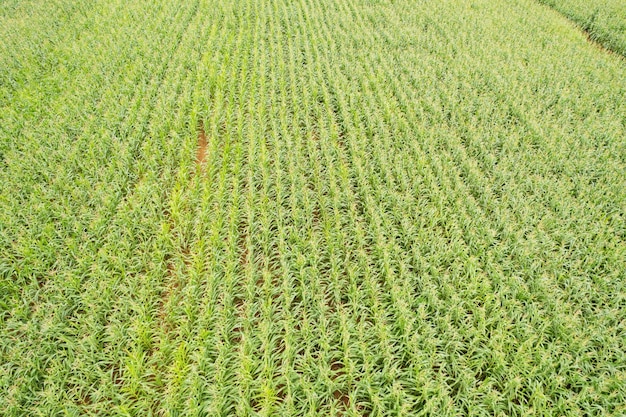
<point x="599" y="41"/>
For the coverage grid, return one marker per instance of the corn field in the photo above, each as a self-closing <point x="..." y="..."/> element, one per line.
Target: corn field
<point x="310" y="208"/>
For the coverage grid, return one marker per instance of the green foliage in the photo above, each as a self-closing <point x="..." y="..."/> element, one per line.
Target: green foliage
<point x="603" y="20"/>
<point x="403" y="208"/>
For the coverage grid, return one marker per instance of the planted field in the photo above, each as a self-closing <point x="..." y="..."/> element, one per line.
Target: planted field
<point x="311" y="208"/>
<point x="604" y="20"/>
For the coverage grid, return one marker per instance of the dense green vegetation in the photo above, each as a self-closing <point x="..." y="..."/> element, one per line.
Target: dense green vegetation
<point x="309" y="207"/>
<point x="604" y="20"/>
